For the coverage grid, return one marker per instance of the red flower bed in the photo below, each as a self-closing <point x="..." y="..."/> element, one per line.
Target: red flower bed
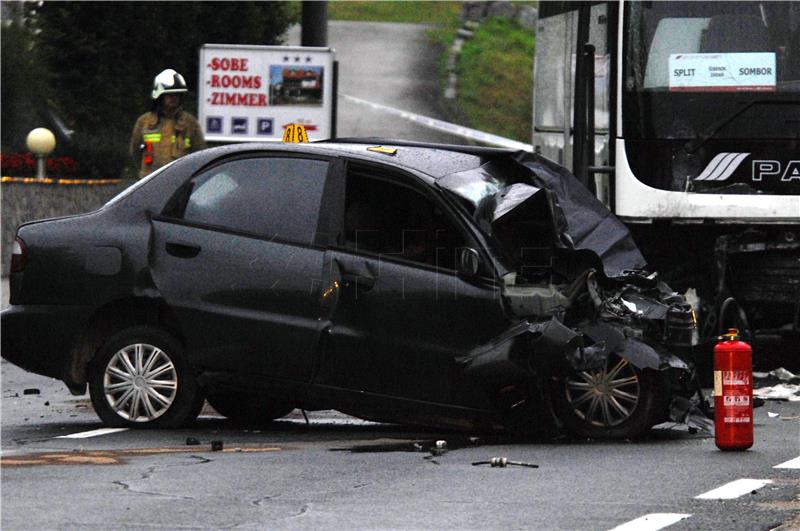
<point x="24" y="165"/>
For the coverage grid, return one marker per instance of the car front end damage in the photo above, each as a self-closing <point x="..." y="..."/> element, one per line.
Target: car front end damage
<point x="603" y="342"/>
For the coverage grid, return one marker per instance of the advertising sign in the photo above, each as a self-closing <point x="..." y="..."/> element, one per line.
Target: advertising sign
<point x="722" y="72"/>
<point x="251" y="93"/>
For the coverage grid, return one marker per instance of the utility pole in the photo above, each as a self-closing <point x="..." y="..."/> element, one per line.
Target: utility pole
<point x="314" y="24"/>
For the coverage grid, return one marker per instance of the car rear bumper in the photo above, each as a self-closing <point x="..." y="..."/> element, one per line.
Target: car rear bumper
<point x="39" y="338"/>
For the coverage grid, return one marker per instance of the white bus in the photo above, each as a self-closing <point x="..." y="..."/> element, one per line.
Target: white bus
<point x="684" y="118"/>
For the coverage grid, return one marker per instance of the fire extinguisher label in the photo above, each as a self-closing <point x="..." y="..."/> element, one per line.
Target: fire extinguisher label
<point x="735" y="378"/>
<point x="737" y="420"/>
<point x="717" y="383"/>
<point x="736" y="400"/>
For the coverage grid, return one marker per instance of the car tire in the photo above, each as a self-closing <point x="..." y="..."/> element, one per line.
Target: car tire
<point x="248" y="409"/>
<point x="140" y="378"/>
<point x="618" y="401"/>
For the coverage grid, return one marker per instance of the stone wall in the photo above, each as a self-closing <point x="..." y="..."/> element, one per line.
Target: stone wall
<point x="21" y="202"/>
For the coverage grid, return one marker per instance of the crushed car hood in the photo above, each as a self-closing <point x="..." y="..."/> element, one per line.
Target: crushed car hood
<point x="501" y="189"/>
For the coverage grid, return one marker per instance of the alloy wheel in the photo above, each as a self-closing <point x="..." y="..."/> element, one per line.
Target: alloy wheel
<point x="606" y="397"/>
<point x="140" y="382"/>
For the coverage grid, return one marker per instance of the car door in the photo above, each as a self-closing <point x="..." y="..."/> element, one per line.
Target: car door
<point x="235" y="257"/>
<point x="400" y="316"/>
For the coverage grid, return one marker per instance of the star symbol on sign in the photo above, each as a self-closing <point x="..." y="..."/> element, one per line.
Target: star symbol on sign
<point x="308" y="59"/>
<point x="285" y="58"/>
<point x="297" y="59"/>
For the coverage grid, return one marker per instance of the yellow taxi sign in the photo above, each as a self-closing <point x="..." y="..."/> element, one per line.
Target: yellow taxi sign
<point x="295" y="134"/>
<point x="384" y="150"/>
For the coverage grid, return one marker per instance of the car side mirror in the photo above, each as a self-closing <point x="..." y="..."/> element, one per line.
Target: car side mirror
<point x="469" y="262"/>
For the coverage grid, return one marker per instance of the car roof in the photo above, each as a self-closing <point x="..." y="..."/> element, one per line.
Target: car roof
<point x="434" y="160"/>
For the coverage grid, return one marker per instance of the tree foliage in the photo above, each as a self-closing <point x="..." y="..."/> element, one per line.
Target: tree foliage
<point x="102" y="58"/>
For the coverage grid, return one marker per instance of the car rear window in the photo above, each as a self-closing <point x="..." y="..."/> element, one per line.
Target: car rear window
<point x="269" y="197"/>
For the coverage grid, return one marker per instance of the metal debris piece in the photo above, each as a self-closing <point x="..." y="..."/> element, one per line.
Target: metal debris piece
<point x="503" y="462"/>
<point x="439" y="448"/>
<point x="216" y="446"/>
<point x="31" y="391"/>
<point x="192" y="441"/>
<point x="772" y="415"/>
<point x="47" y="403"/>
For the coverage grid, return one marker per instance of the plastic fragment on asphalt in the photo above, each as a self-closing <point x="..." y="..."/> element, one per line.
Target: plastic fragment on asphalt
<point x="216" y="446"/>
<point x="192" y="441"/>
<point x="31" y="391"/>
<point x="790" y="392"/>
<point x="772" y="415"/>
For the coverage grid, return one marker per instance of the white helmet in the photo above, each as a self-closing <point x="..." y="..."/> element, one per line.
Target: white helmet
<point x="168" y="82"/>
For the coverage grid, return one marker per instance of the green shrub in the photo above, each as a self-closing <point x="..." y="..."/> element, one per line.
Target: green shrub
<point x="495" y="79"/>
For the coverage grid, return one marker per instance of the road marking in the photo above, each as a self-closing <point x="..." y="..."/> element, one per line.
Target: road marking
<point x="652" y="522"/>
<point x="791" y="463"/>
<point x="734" y="489"/>
<point x="93" y="433"/>
<point x="447" y="127"/>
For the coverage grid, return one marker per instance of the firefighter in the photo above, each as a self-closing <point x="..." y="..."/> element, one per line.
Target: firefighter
<point x="166" y="132"/>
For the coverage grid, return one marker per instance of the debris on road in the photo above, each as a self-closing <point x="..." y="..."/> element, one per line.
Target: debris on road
<point x="31" y="391"/>
<point x="503" y="462"/>
<point x="439" y="448"/>
<point x="790" y="392"/>
<point x="216" y="446"/>
<point x="780" y="373"/>
<point x="192" y="441"/>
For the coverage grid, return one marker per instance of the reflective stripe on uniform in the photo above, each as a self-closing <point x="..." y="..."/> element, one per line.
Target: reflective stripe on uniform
<point x="187" y="142"/>
<point x="151" y="137"/>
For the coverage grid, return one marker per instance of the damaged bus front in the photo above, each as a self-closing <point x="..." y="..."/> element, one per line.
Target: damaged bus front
<point x="607" y="342"/>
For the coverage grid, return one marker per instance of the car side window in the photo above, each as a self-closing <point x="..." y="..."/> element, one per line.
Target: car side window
<point x="395" y="221"/>
<point x="271" y="197"/>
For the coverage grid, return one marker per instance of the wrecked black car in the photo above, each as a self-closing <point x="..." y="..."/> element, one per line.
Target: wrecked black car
<point x="433" y="285"/>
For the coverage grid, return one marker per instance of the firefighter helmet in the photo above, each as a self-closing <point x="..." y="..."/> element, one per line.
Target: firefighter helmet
<point x="168" y="82"/>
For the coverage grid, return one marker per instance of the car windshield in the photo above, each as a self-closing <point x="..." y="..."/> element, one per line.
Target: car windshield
<point x="687" y="64"/>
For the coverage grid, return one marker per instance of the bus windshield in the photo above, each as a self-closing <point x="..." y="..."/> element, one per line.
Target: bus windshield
<point x="699" y="69"/>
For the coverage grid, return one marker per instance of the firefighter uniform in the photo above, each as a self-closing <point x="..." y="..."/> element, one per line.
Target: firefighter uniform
<point x="158" y="140"/>
<point x="166" y="132"/>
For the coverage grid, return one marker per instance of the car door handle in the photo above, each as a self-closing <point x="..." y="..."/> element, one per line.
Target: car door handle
<point x="182" y="250"/>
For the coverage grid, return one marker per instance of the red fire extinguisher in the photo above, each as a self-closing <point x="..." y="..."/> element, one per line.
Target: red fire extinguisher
<point x="733" y="392"/>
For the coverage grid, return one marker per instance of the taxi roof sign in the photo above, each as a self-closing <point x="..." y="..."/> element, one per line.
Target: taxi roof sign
<point x="295" y="134"/>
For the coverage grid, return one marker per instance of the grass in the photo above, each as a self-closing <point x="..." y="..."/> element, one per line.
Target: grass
<point x="437" y="13"/>
<point x="495" y="79"/>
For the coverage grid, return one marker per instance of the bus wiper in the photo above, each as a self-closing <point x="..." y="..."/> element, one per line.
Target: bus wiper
<point x="693" y="145"/>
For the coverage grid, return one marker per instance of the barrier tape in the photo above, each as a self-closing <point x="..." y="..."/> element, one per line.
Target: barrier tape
<point x="48" y="180"/>
<point x="447" y="127"/>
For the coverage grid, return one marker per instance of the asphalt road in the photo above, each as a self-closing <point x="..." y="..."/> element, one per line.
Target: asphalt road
<point x="386" y="63"/>
<point x="341" y="473"/>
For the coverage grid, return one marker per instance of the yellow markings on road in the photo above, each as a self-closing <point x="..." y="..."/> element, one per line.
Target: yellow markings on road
<point x="113" y="457"/>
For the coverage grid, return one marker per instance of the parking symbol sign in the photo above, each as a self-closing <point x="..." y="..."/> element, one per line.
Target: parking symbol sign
<point x="239" y="126"/>
<point x="265" y="126"/>
<point x="214" y="124"/>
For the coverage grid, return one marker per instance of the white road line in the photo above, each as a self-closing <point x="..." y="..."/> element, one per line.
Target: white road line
<point x="440" y="125"/>
<point x="734" y="489"/>
<point x="93" y="433"/>
<point x="791" y="463"/>
<point x="652" y="522"/>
